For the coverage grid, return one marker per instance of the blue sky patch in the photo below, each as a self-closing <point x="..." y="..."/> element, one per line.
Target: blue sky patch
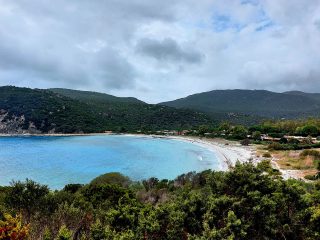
<point x="224" y="22"/>
<point x="265" y="26"/>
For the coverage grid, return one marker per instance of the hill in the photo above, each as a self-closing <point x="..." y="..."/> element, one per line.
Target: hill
<point x="70" y="111"/>
<point x="96" y="97"/>
<point x="254" y="104"/>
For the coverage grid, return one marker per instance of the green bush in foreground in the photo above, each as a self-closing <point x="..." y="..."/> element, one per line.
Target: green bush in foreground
<point x="247" y="202"/>
<point x="112" y="178"/>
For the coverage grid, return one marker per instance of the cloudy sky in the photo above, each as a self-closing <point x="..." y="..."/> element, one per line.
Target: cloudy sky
<point x="160" y="50"/>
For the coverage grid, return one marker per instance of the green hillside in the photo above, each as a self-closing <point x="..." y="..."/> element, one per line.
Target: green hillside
<point x="51" y="111"/>
<point x="96" y="97"/>
<point x="256" y="104"/>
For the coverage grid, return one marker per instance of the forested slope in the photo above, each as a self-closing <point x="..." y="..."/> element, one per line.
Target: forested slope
<point x="42" y="111"/>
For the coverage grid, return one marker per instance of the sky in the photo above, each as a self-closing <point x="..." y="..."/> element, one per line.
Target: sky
<point x="160" y="50"/>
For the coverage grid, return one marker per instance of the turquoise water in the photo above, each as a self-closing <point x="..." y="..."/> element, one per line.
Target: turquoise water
<point x="57" y="161"/>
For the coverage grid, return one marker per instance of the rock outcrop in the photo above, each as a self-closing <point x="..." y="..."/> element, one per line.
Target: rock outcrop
<point x="15" y="124"/>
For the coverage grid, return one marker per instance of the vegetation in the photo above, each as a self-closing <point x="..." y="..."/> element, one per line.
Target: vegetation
<point x="266" y="155"/>
<point x="112" y="178"/>
<point x="67" y="111"/>
<point x="308" y="152"/>
<point x="251" y="106"/>
<point x="12" y="228"/>
<point x="280" y="135"/>
<point x="247" y="202"/>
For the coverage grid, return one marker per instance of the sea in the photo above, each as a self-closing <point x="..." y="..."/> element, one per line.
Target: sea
<point x="59" y="160"/>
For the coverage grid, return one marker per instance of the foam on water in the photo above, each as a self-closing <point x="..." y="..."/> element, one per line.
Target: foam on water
<point x="57" y="161"/>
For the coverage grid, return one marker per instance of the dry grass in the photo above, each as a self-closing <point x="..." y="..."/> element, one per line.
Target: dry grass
<point x="292" y="160"/>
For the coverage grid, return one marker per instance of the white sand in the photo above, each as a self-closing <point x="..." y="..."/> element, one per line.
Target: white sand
<point x="229" y="152"/>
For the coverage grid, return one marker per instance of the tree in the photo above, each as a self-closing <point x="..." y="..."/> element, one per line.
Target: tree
<point x="239" y="132"/>
<point x="150" y="183"/>
<point x="27" y="196"/>
<point x="203" y="129"/>
<point x="256" y="135"/>
<point x="225" y="126"/>
<point x="311" y="130"/>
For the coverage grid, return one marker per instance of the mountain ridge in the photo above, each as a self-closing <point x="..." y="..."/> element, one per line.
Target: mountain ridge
<point x="92" y="95"/>
<point x="262" y="103"/>
<point x="25" y="110"/>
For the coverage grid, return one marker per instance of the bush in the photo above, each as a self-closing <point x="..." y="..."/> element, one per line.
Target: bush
<point x="72" y="188"/>
<point x="310" y="152"/>
<point x="283" y="140"/>
<point x="307" y="140"/>
<point x="311" y="177"/>
<point x="26" y="197"/>
<point x="245" y="142"/>
<point x="114" y="178"/>
<point x="276" y="135"/>
<point x="293" y="141"/>
<point x="266" y="155"/>
<point x="47" y="234"/>
<point x="12" y="228"/>
<point x="64" y="234"/>
<point x="278" y="146"/>
<point x="256" y="135"/>
<point x="309" y="130"/>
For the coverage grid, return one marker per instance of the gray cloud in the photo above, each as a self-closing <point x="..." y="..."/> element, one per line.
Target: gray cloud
<point x="167" y="50"/>
<point x="160" y="50"/>
<point x="72" y="43"/>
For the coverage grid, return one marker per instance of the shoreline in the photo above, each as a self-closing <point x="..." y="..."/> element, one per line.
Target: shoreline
<point x="228" y="152"/>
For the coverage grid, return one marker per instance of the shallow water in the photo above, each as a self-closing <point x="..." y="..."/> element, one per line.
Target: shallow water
<point x="57" y="161"/>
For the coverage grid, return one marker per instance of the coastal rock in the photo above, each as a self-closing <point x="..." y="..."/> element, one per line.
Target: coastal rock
<point x="15" y="124"/>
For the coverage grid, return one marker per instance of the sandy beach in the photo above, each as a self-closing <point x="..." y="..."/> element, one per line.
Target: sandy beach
<point x="229" y="152"/>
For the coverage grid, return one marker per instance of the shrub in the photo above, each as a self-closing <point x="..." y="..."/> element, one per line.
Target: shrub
<point x="309" y="130"/>
<point x="310" y="152"/>
<point x="64" y="233"/>
<point x="293" y="141"/>
<point x="283" y="140"/>
<point x="27" y="196"/>
<point x="72" y="188"/>
<point x="114" y="178"/>
<point x="311" y="177"/>
<point x="245" y="142"/>
<point x="97" y="231"/>
<point x="277" y="146"/>
<point x="276" y="135"/>
<point x="266" y="155"/>
<point x="307" y="140"/>
<point x="256" y="135"/>
<point x="47" y="234"/>
<point x="12" y="228"/>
